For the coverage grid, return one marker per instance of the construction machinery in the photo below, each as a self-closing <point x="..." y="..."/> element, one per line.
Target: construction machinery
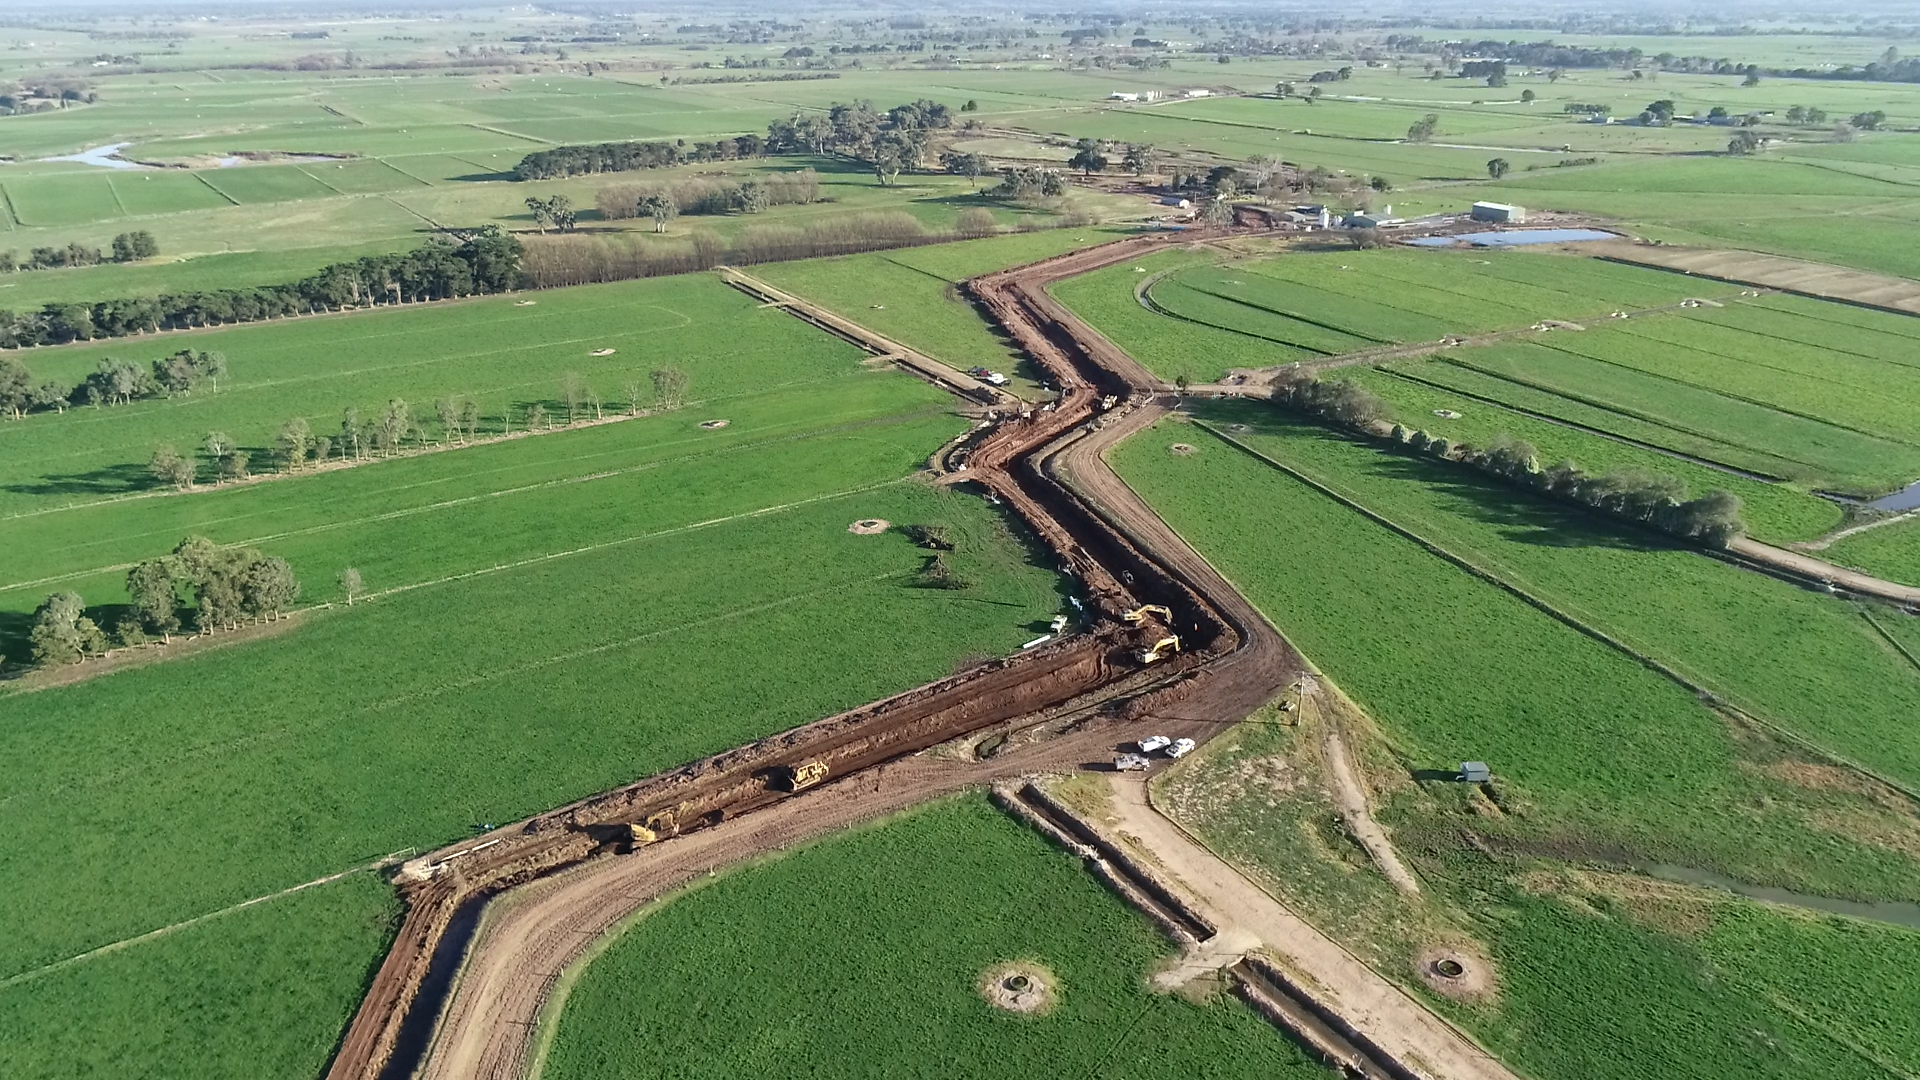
<point x="1159" y="649"/>
<point x="805" y="775"/>
<point x="1140" y="613"/>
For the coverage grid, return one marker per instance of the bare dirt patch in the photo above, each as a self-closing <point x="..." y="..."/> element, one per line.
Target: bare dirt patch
<point x="1019" y="986"/>
<point x="1180" y="449"/>
<point x="869" y="526"/>
<point x="1457" y="971"/>
<point x="601" y="352"/>
<point x="712" y="425"/>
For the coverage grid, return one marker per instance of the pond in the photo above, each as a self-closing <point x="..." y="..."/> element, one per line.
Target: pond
<point x="1515" y="237"/>
<point x="106" y="157"/>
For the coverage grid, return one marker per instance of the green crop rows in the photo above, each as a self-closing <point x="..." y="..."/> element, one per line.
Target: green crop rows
<point x="862" y="956"/>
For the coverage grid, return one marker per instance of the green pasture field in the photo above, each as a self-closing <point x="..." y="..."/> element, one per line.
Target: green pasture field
<point x="502" y="355"/>
<point x="911" y="295"/>
<point x="1597" y="759"/>
<point x="1775" y="513"/>
<point x="1760" y="643"/>
<point x="1580" y="959"/>
<point x="263" y="991"/>
<point x="1812" y="451"/>
<point x="606" y="585"/>
<point x="1453" y="668"/>
<point x="862" y="955"/>
<point x="1890" y="551"/>
<point x="1106" y="299"/>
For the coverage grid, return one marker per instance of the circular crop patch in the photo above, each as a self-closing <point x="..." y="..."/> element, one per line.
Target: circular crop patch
<point x="1181" y="449"/>
<point x="1018" y="987"/>
<point x="712" y="425"/>
<point x="869" y="526"/>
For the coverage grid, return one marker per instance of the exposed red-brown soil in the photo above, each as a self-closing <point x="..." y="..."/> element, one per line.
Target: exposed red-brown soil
<point x="1049" y="469"/>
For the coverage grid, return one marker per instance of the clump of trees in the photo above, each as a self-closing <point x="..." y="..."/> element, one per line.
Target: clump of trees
<point x="606" y="157"/>
<point x="556" y="212"/>
<point x="1030" y="182"/>
<point x="888" y="142"/>
<point x="486" y="260"/>
<point x="127" y="247"/>
<point x="1658" y="501"/>
<point x="112" y="382"/>
<point x="1424" y="128"/>
<point x="708" y="195"/>
<point x="229" y="585"/>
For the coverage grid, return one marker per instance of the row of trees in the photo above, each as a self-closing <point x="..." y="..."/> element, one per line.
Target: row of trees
<point x="602" y="158"/>
<point x="707" y="195"/>
<point x="397" y="426"/>
<point x="579" y="259"/>
<point x="229" y="585"/>
<point x="127" y="247"/>
<point x="112" y="382"/>
<point x="1656" y="500"/>
<point x="486" y="260"/>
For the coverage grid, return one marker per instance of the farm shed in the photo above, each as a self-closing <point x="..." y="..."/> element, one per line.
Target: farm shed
<point x="1499" y="212"/>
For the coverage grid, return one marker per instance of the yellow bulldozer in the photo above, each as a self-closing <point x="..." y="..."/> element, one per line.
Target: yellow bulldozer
<point x="805" y="775"/>
<point x="660" y="824"/>
<point x="1139" y="614"/>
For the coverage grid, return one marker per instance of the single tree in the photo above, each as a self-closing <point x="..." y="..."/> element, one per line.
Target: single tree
<point x="469" y="419"/>
<point x="1217" y="212"/>
<point x="448" y="412"/>
<point x="62" y="633"/>
<point x="536" y="417"/>
<point x="542" y="216"/>
<point x="669" y="387"/>
<point x="352" y="440"/>
<point x="234" y="465"/>
<point x="1743" y="143"/>
<point x="573" y="392"/>
<point x="151" y="586"/>
<point x="1283" y="90"/>
<point x="351" y="585"/>
<point x="1138" y="158"/>
<point x="51" y="395"/>
<point x="219" y="447"/>
<point x="169" y="467"/>
<point x="396" y="420"/>
<point x="661" y="208"/>
<point x="636" y="397"/>
<point x="16" y="387"/>
<point x="1527" y="96"/>
<point x="1088" y="158"/>
<point x="1313" y="95"/>
<point x="1752" y="79"/>
<point x="1498" y="167"/>
<point x="295" y="438"/>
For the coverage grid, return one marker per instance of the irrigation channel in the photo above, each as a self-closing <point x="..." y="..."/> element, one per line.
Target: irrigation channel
<point x="459" y="994"/>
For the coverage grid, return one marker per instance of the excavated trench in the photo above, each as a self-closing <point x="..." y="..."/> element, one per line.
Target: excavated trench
<point x="1074" y="677"/>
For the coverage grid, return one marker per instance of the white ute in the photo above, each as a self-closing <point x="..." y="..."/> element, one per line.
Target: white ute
<point x="1180" y="748"/>
<point x="1154" y="742"/>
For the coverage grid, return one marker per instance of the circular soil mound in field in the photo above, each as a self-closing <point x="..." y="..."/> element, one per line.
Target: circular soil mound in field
<point x="1181" y="449"/>
<point x="713" y="425"/>
<point x="1461" y="974"/>
<point x="869" y="526"/>
<point x="601" y="352"/>
<point x="1018" y="987"/>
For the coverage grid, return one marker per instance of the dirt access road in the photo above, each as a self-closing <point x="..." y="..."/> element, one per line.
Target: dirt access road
<point x="1368" y="1002"/>
<point x="1097" y="674"/>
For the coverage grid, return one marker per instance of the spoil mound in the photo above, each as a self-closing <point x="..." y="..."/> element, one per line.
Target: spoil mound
<point x="712" y="425"/>
<point x="1180" y="448"/>
<point x="1018" y="987"/>
<point x="869" y="526"/>
<point x="601" y="352"/>
<point x="1456" y="972"/>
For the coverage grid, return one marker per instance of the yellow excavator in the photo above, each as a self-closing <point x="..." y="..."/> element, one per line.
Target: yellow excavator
<point x="1159" y="650"/>
<point x="658" y="824"/>
<point x="1140" y="614"/>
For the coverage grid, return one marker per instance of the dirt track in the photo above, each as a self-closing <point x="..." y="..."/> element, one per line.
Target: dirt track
<point x="486" y="1022"/>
